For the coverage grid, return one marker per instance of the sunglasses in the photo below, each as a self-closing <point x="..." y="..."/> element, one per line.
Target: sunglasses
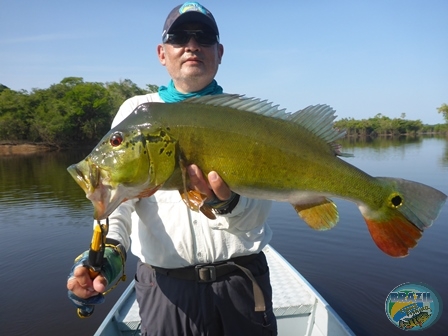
<point x="181" y="37"/>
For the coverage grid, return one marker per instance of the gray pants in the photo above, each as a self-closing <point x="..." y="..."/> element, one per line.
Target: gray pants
<point x="170" y="306"/>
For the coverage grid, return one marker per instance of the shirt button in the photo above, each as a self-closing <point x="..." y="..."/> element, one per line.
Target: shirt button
<point x="195" y="222"/>
<point x="199" y="254"/>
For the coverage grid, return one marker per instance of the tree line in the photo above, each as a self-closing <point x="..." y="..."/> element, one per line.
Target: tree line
<point x="381" y="125"/>
<point x="74" y="112"/>
<point x="67" y="114"/>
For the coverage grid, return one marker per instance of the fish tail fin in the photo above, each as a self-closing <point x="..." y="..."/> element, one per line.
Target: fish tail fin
<point x="409" y="210"/>
<point x="395" y="236"/>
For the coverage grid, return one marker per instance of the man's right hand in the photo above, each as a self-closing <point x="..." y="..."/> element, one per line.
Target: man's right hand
<point x="83" y="286"/>
<point x="86" y="292"/>
<point x="83" y="291"/>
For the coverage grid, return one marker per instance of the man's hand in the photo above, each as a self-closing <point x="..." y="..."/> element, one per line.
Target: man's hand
<point x="215" y="186"/>
<point x="83" y="291"/>
<point x="83" y="286"/>
<point x="86" y="292"/>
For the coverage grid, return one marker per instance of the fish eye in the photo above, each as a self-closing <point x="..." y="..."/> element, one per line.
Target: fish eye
<point x="116" y="139"/>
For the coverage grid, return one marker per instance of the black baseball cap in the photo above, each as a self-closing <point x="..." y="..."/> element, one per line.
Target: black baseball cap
<point x="189" y="12"/>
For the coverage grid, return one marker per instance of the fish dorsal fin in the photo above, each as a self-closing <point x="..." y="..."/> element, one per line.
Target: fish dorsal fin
<point x="318" y="119"/>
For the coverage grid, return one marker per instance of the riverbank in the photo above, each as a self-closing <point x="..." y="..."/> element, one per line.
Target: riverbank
<point x="14" y="148"/>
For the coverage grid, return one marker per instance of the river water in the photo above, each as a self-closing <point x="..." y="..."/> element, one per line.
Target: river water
<point x="45" y="221"/>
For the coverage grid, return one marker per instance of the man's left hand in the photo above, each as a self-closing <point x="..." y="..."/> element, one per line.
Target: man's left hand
<point x="215" y="186"/>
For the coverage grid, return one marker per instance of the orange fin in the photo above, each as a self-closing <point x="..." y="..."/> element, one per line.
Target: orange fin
<point x="207" y="211"/>
<point x="192" y="198"/>
<point x="195" y="201"/>
<point x="320" y="213"/>
<point x="394" y="237"/>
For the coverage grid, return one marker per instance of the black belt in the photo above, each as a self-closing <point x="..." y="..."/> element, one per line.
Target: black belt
<point x="210" y="272"/>
<point x="206" y="272"/>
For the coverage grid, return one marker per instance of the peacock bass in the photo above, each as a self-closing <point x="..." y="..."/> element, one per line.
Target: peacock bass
<point x="260" y="151"/>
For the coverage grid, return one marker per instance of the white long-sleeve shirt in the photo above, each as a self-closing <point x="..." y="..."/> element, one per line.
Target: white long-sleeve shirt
<point x="163" y="232"/>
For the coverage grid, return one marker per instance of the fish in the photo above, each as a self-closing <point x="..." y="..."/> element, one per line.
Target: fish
<point x="261" y="152"/>
<point x="414" y="321"/>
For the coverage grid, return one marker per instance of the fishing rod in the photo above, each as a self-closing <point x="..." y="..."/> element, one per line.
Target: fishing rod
<point x="95" y="260"/>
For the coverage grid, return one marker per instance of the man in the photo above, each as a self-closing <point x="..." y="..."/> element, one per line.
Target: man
<point x="195" y="276"/>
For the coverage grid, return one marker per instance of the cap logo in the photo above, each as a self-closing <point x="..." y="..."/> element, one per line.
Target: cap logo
<point x="192" y="6"/>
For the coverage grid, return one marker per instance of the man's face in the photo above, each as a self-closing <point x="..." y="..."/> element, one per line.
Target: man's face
<point x="191" y="66"/>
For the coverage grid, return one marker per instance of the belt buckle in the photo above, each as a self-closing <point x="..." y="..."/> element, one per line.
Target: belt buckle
<point x="205" y="273"/>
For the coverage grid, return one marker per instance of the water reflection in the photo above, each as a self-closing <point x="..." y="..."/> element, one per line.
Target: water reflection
<point x="40" y="181"/>
<point x="444" y="159"/>
<point x="386" y="142"/>
<point x="382" y="141"/>
<point x="381" y="145"/>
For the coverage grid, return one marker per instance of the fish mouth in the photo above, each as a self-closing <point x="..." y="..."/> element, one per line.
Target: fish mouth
<point x="87" y="182"/>
<point x="93" y="180"/>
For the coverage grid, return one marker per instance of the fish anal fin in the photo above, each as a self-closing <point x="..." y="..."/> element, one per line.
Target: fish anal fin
<point x="319" y="213"/>
<point x="395" y="236"/>
<point x="195" y="201"/>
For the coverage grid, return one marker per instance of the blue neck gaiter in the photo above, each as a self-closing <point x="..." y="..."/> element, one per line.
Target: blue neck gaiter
<point x="171" y="95"/>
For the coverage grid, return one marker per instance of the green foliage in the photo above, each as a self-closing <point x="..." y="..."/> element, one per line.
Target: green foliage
<point x="68" y="114"/>
<point x="384" y="126"/>
<point x="123" y="90"/>
<point x="3" y="87"/>
<point x="15" y="115"/>
<point x="444" y="110"/>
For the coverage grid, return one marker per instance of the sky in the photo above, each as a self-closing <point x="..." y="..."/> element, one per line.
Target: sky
<point x="360" y="57"/>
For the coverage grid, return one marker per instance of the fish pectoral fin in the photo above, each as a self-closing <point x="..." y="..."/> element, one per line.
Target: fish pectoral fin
<point x="148" y="192"/>
<point x="319" y="213"/>
<point x="195" y="201"/>
<point x="192" y="198"/>
<point x="395" y="235"/>
<point x="208" y="211"/>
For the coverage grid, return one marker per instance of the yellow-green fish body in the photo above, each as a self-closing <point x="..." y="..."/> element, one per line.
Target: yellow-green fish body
<point x="260" y="152"/>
